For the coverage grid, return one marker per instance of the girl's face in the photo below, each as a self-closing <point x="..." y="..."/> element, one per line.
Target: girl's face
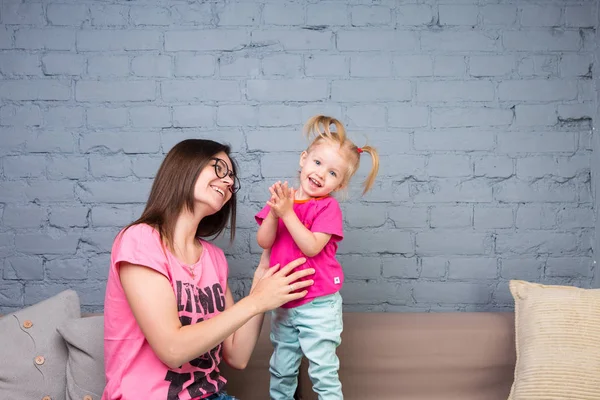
<point x="322" y="170"/>
<point x="212" y="190"/>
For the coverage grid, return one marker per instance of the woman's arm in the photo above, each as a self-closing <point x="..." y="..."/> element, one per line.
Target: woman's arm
<point x="154" y="307"/>
<point x="267" y="232"/>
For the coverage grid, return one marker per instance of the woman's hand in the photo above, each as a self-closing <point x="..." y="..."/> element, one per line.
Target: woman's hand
<point x="276" y="288"/>
<point x="261" y="270"/>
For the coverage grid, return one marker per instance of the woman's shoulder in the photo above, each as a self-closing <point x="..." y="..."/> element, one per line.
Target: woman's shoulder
<point x="139" y="233"/>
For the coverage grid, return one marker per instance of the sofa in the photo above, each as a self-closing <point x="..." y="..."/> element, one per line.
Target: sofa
<point x="53" y="352"/>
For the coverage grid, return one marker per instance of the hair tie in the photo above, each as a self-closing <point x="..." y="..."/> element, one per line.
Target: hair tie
<point x="359" y="150"/>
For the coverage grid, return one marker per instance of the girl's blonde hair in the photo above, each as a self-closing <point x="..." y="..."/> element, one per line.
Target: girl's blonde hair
<point x="318" y="127"/>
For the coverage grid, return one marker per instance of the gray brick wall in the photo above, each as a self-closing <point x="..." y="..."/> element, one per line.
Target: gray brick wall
<point x="483" y="113"/>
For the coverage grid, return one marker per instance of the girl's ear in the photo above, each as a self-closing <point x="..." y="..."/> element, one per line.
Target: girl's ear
<point x="303" y="157"/>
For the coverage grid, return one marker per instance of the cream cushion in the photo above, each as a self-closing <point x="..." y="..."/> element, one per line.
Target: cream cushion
<point x="557" y="342"/>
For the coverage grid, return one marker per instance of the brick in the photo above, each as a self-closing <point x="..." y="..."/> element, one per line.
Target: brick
<point x="98" y="117"/>
<point x="287" y="14"/>
<point x="536" y="142"/>
<point x="405" y="166"/>
<point x="451" y="190"/>
<point x="23" y="268"/>
<point x="541" y="40"/>
<point x="45" y="39"/>
<point x="61" y="166"/>
<point x="12" y="191"/>
<point x="473" y="268"/>
<point x="364" y="242"/>
<point x="67" y="14"/>
<point x="470" y="117"/>
<point x="493" y="65"/>
<point x="11" y="294"/>
<point x="366" y="116"/>
<point x="146" y="166"/>
<point x="326" y="65"/>
<point x="570" y="267"/>
<point x="409" y="216"/>
<point x="493" y="217"/>
<point x="368" y="90"/>
<point x="573" y="217"/>
<point x="108" y="66"/>
<point x="26" y="115"/>
<point x="327" y="14"/>
<point x="455" y="91"/>
<point x="277" y="165"/>
<point x="359" y="267"/>
<point x="530" y="216"/>
<point x="128" y="142"/>
<point x="69" y="269"/>
<point x="452" y="292"/>
<point x="451" y="241"/>
<point x="291" y="40"/>
<point x="194" y="116"/>
<point x="236" y="14"/>
<point x="532" y="115"/>
<point x="149" y="15"/>
<point x="269" y="140"/>
<point x="119" y="40"/>
<point x="499" y="14"/>
<point x="535" y="242"/>
<point x="289" y="65"/>
<point x="35" y="90"/>
<point x="414" y="15"/>
<point x="380" y="40"/>
<point x="41" y="191"/>
<point x="331" y="109"/>
<point x="109" y="15"/>
<point x="494" y="166"/>
<point x="525" y="268"/>
<point x="24" y="216"/>
<point x="237" y="115"/>
<point x="450" y="66"/>
<point x="111" y="216"/>
<point x="581" y="16"/>
<point x="576" y="65"/>
<point x="279" y="115"/>
<point x="194" y="65"/>
<point x="459" y="41"/>
<point x="518" y="191"/>
<point x="575" y="111"/>
<point x="449" y="166"/>
<point x="433" y="267"/>
<point x="46" y="141"/>
<point x="538" y="66"/>
<point x="454" y="139"/>
<point x="413" y="66"/>
<point x="17" y="13"/>
<point x="69" y="217"/>
<point x="63" y="117"/>
<point x="6" y="37"/>
<point x="401" y="267"/>
<point x="100" y="91"/>
<point x="102" y="166"/>
<point x="238" y="66"/>
<point x="150" y="117"/>
<point x="538" y="15"/>
<point x="451" y="217"/>
<point x="25" y="166"/>
<point x="358" y="216"/>
<point x="45" y="244"/>
<point x="458" y="14"/>
<point x="408" y="117"/>
<point x="151" y="66"/>
<point x="287" y="90"/>
<point x="371" y="66"/>
<point x="370" y="15"/>
<point x="118" y="192"/>
<point x="232" y="137"/>
<point x="200" y="90"/>
<point x="20" y="63"/>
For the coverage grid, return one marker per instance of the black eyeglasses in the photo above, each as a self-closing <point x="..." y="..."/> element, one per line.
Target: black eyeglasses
<point x="222" y="170"/>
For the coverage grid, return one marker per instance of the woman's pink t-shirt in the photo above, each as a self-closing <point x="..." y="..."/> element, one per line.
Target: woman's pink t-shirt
<point x="133" y="371"/>
<point x="318" y="215"/>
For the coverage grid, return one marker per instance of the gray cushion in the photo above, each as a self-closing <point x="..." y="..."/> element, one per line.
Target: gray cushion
<point x="85" y="366"/>
<point x="33" y="354"/>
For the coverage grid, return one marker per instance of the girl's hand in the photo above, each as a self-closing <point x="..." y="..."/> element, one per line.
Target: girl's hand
<point x="282" y="199"/>
<point x="277" y="288"/>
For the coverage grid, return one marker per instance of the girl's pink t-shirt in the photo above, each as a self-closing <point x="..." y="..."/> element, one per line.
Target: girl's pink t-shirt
<point x="133" y="371"/>
<point x="318" y="215"/>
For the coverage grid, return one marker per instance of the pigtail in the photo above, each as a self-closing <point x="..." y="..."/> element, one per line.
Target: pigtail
<point x="368" y="183"/>
<point x="314" y="125"/>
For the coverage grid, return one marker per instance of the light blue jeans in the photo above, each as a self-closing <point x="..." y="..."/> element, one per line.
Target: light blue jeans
<point x="312" y="329"/>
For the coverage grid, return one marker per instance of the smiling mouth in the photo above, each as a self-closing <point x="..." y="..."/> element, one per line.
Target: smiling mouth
<point x="314" y="182"/>
<point x="216" y="189"/>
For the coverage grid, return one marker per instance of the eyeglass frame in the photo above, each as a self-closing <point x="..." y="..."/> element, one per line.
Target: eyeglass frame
<point x="235" y="187"/>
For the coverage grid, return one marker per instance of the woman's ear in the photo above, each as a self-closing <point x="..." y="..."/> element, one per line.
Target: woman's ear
<point x="303" y="157"/>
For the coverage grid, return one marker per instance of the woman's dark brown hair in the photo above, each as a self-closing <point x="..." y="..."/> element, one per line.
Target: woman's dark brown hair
<point x="173" y="191"/>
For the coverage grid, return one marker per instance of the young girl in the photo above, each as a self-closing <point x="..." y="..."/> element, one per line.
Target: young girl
<point x="308" y="222"/>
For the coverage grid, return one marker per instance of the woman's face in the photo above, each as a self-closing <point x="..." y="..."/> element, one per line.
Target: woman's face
<point x="212" y="190"/>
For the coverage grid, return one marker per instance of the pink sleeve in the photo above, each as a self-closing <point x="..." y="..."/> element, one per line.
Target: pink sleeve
<point x="141" y="245"/>
<point x="262" y="214"/>
<point x="329" y="219"/>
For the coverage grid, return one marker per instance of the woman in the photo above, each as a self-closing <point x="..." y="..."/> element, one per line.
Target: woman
<point x="169" y="313"/>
